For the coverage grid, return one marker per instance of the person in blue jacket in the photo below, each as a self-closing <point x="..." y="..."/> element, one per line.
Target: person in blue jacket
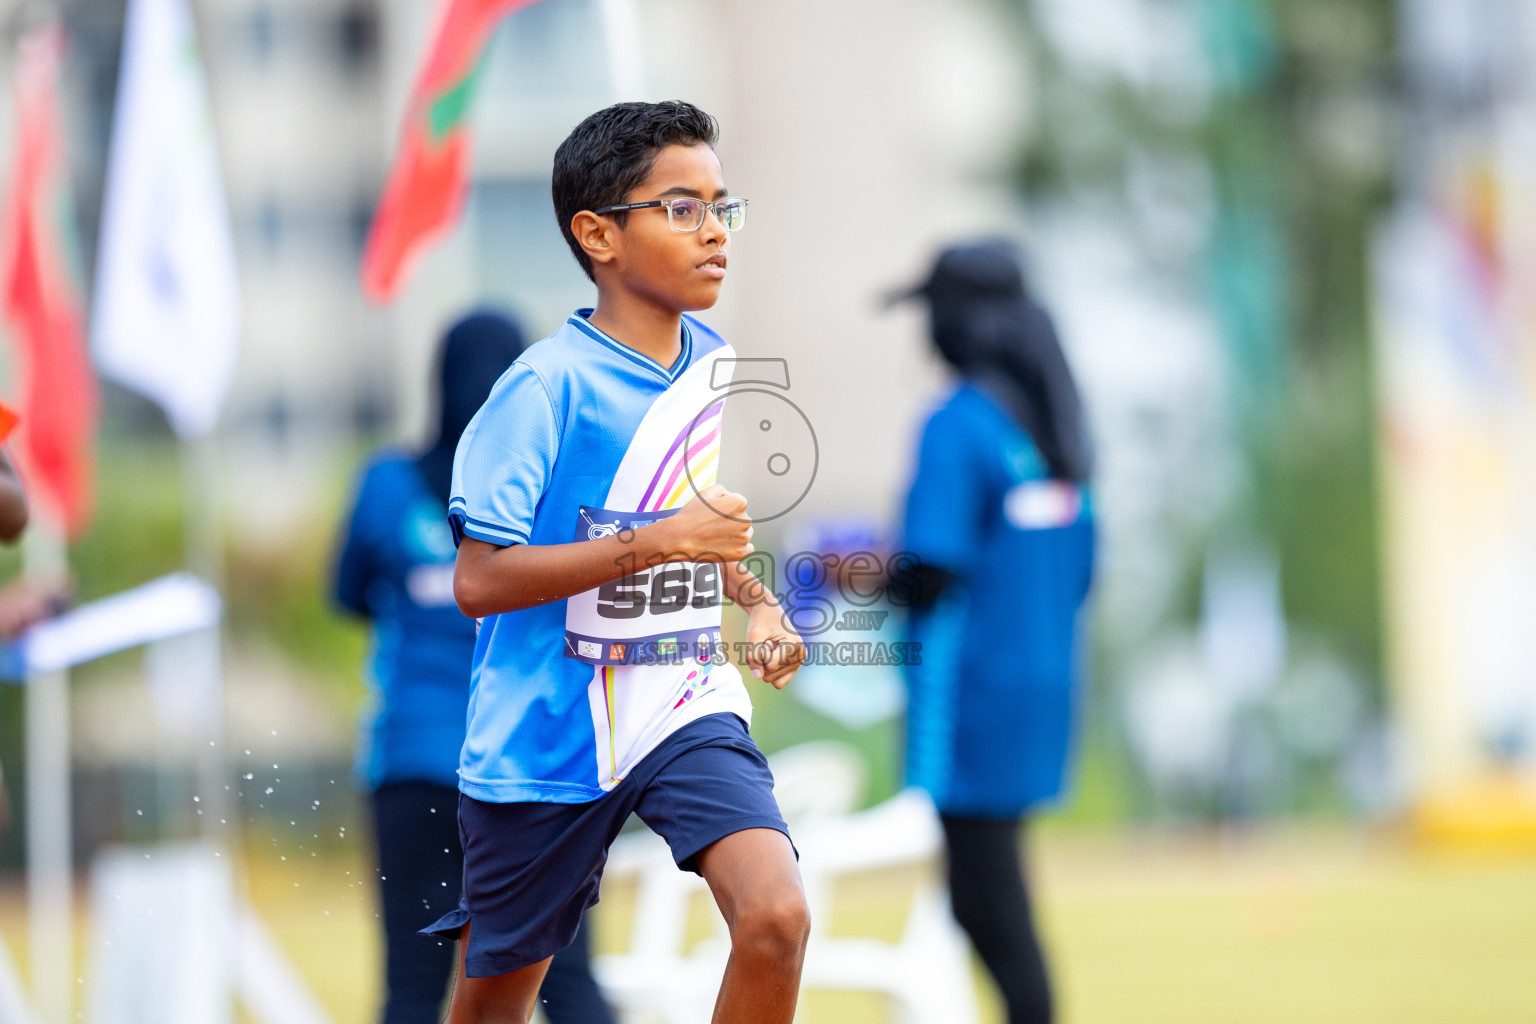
<point x="395" y="568"/>
<point x="999" y="544"/>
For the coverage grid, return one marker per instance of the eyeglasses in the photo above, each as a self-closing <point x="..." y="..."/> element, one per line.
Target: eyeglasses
<point x="688" y="214"/>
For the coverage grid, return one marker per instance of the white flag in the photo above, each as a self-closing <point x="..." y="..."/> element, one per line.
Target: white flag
<point x="167" y="303"/>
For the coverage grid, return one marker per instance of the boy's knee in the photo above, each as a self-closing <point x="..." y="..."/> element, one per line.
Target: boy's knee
<point x="775" y="928"/>
<point x="505" y="1012"/>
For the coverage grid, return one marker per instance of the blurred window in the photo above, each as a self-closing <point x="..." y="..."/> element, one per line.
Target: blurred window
<point x="373" y="408"/>
<point x="360" y="219"/>
<point x="271" y="226"/>
<point x="258" y="33"/>
<point x="538" y="76"/>
<point x="543" y="53"/>
<point x="521" y="256"/>
<point x="357" y="37"/>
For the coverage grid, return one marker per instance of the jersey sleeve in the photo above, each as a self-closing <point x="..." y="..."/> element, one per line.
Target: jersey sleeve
<point x="503" y="463"/>
<point x="946" y="502"/>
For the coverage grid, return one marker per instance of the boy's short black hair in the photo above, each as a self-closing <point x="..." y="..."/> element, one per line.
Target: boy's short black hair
<point x="611" y="152"/>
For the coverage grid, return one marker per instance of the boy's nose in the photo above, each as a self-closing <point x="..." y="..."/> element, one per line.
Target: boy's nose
<point x="712" y="226"/>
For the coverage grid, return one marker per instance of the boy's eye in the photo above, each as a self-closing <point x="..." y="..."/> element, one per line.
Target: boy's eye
<point x="687" y="211"/>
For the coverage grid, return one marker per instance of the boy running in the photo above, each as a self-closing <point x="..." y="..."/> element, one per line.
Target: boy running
<point x="595" y="547"/>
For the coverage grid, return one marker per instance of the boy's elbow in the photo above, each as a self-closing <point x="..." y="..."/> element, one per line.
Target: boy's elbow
<point x="474" y="593"/>
<point x="481" y="581"/>
<point x="467" y="593"/>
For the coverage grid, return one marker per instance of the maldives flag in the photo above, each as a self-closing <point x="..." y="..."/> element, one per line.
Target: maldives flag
<point x="429" y="181"/>
<point x="41" y="296"/>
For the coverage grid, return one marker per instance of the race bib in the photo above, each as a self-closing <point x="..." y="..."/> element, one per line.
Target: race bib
<point x="667" y="613"/>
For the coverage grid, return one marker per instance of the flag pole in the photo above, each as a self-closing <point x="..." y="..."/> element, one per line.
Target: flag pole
<point x="50" y="875"/>
<point x="216" y="807"/>
<point x="626" y="58"/>
<point x="202" y="536"/>
<point x="204" y="552"/>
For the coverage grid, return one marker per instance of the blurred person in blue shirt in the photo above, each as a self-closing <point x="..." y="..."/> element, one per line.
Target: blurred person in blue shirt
<point x="1000" y="539"/>
<point x="395" y="568"/>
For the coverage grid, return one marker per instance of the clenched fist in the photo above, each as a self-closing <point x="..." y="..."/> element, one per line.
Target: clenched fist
<point x="713" y="527"/>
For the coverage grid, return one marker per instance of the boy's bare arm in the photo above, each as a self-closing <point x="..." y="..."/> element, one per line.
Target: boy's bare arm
<point x="742" y="587"/>
<point x="774" y="650"/>
<point x="491" y="580"/>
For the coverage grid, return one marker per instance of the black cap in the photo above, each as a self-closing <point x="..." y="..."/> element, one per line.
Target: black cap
<point x="990" y="269"/>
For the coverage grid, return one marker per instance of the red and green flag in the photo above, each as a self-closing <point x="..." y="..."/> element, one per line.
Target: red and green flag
<point x="429" y="181"/>
<point x="41" y="297"/>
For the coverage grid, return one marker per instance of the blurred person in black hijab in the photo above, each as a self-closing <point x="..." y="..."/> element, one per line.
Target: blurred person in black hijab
<point x="395" y="568"/>
<point x="1000" y="537"/>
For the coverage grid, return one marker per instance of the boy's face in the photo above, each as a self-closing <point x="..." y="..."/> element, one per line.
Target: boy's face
<point x="677" y="270"/>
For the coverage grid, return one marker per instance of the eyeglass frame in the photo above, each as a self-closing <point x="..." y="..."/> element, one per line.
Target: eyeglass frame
<point x="710" y="206"/>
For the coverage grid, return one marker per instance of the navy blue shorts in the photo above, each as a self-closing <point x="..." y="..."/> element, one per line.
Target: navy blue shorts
<point x="532" y="869"/>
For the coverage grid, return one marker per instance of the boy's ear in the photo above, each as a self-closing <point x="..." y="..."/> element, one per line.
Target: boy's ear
<point x="597" y="236"/>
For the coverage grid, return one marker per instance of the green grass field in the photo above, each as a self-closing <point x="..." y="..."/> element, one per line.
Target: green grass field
<point x="1316" y="926"/>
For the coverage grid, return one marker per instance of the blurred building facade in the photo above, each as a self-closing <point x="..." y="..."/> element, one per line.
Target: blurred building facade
<point x="860" y="161"/>
<point x="298" y="91"/>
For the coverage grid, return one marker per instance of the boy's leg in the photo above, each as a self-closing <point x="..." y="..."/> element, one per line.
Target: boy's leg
<point x="756" y="884"/>
<point x="530" y="868"/>
<point x="569" y="994"/>
<point x="504" y="999"/>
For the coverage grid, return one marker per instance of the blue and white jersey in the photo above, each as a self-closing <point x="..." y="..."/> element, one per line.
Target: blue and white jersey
<point x="581" y="438"/>
<point x="991" y="706"/>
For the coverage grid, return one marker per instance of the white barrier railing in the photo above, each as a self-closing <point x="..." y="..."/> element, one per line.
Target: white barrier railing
<point x="172" y="945"/>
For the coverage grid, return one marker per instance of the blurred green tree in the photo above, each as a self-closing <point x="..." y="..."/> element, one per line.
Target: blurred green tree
<point x="1285" y="110"/>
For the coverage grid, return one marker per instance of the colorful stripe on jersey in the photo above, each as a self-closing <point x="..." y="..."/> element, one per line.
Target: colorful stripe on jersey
<point x="608" y="692"/>
<point x="694" y="456"/>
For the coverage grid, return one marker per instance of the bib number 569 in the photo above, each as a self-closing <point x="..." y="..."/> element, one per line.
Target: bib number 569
<point x="664" y="589"/>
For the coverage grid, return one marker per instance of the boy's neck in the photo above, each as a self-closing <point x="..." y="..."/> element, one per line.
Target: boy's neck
<point x="641" y="325"/>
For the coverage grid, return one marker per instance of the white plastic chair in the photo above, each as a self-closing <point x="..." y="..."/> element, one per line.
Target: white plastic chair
<point x="925" y="973"/>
